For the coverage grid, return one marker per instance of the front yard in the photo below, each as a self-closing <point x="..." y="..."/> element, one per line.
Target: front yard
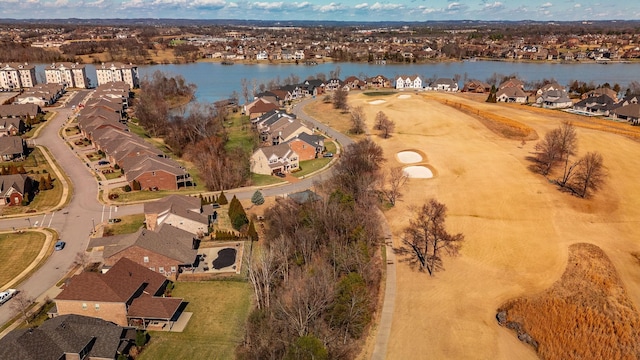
<point x="36" y="167"/>
<point x="220" y="310"/>
<point x="127" y="225"/>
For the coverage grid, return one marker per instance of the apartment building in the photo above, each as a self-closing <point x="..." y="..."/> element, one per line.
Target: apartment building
<point x="114" y="72"/>
<point x="67" y="74"/>
<point x="16" y="76"/>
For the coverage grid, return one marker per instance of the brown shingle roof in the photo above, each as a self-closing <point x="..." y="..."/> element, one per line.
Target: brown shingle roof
<point x="119" y="284"/>
<point x="154" y="307"/>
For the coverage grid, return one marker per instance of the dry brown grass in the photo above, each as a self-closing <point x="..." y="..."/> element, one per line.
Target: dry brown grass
<point x="334" y="118"/>
<point x="500" y="125"/>
<point x="587" y="314"/>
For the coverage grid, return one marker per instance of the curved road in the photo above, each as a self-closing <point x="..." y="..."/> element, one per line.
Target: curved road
<point x="75" y="222"/>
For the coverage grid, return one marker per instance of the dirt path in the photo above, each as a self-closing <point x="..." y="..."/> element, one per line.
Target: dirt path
<point x="517" y="225"/>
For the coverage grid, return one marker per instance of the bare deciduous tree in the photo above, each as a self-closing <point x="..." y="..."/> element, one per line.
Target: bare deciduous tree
<point x="244" y="88"/>
<point x="387" y="128"/>
<point x="380" y="119"/>
<point x="395" y="179"/>
<point x="357" y="120"/>
<point x="21" y="302"/>
<point x="557" y="146"/>
<point x="340" y="99"/>
<point x="426" y="237"/>
<point x="261" y="269"/>
<point x="591" y="174"/>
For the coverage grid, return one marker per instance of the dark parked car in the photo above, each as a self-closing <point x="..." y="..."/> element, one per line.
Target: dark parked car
<point x="60" y="245"/>
<point x="327" y="155"/>
<point x="280" y="175"/>
<point x="103" y="162"/>
<point x="114" y="220"/>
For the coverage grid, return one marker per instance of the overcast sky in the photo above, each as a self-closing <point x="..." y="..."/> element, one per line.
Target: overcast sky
<point x="344" y="10"/>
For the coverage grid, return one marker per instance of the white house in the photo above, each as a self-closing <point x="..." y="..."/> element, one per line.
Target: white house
<point x="262" y="55"/>
<point x="274" y="159"/>
<point x="444" y="84"/>
<point x="409" y="82"/>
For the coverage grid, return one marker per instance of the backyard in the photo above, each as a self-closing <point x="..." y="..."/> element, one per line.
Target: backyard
<point x="220" y="309"/>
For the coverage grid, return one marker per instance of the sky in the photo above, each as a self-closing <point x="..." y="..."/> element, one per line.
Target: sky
<point x="341" y="10"/>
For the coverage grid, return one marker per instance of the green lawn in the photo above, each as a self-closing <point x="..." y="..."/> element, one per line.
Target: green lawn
<point x="241" y="135"/>
<point x="264" y="180"/>
<point x="330" y="146"/>
<point x="309" y="166"/>
<point x="220" y="310"/>
<point x="36" y="166"/>
<point x="128" y="225"/>
<point x="17" y="251"/>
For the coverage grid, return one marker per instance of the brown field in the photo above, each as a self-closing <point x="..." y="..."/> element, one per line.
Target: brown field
<point x="518" y="226"/>
<point x="586" y="314"/>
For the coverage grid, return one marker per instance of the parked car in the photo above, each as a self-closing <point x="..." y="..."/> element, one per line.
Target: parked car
<point x="103" y="162"/>
<point x="327" y="155"/>
<point x="114" y="220"/>
<point x="280" y="175"/>
<point x="60" y="245"/>
<point x="7" y="295"/>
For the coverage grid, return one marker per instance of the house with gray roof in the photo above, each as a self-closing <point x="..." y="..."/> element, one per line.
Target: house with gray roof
<point x="12" y="148"/>
<point x="554" y="99"/>
<point x="165" y="250"/>
<point x="181" y="211"/>
<point x="597" y="105"/>
<point x="513" y="94"/>
<point x="68" y="337"/>
<point x="444" y="84"/>
<point x="630" y="112"/>
<point x="15" y="188"/>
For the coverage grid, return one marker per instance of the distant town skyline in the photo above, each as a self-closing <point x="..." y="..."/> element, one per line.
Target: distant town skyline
<point x="346" y="10"/>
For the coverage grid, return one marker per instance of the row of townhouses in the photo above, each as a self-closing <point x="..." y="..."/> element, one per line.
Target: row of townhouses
<point x="18" y="76"/>
<point x="103" y="121"/>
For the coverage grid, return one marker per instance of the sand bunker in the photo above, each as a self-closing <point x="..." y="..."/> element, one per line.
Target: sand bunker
<point x="409" y="157"/>
<point x="377" y="102"/>
<point x="418" y="172"/>
<point x="404" y="96"/>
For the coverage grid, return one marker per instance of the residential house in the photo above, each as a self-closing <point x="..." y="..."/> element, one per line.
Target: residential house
<point x="308" y="147"/>
<point x="304" y="197"/>
<point x="630" y="112"/>
<point x="12" y="148"/>
<point x="409" y="82"/>
<point x="259" y="107"/>
<point x="262" y="55"/>
<point x="554" y="99"/>
<point x="378" y="82"/>
<point x="16" y="76"/>
<point x="476" y="86"/>
<point x="181" y="211"/>
<point x="444" y="84"/>
<point x="283" y="130"/>
<point x="333" y="84"/>
<point x="354" y="83"/>
<point x="41" y="94"/>
<point x="602" y="91"/>
<point x="19" y="111"/>
<point x="15" y="188"/>
<point x="597" y="105"/>
<point x="128" y="294"/>
<point x="314" y="87"/>
<point x="115" y="72"/>
<point x="67" y="74"/>
<point x="513" y="82"/>
<point x="155" y="173"/>
<point x="274" y="159"/>
<point x="549" y="87"/>
<point x="69" y="337"/>
<point x="166" y="250"/>
<point x="511" y="94"/>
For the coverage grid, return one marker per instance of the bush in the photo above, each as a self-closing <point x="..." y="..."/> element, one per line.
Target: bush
<point x="222" y="200"/>
<point x="126" y="188"/>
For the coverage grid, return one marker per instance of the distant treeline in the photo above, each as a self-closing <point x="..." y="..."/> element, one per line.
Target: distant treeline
<point x="15" y="52"/>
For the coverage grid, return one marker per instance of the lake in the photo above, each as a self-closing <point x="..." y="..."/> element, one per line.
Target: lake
<point x="216" y="81"/>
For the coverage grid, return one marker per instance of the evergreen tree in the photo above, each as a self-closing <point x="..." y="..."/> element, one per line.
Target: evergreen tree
<point x="136" y="185"/>
<point x="252" y="234"/>
<point x="222" y="200"/>
<point x="257" y="198"/>
<point x="237" y="215"/>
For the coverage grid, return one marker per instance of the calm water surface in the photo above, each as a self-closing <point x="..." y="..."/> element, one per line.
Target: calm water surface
<point x="216" y="81"/>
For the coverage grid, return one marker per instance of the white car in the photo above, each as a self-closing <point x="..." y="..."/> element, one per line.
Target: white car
<point x="6" y="295"/>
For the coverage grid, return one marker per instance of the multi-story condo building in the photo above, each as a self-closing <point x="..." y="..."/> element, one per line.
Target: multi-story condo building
<point x="67" y="74"/>
<point x="113" y="72"/>
<point x="16" y="76"/>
